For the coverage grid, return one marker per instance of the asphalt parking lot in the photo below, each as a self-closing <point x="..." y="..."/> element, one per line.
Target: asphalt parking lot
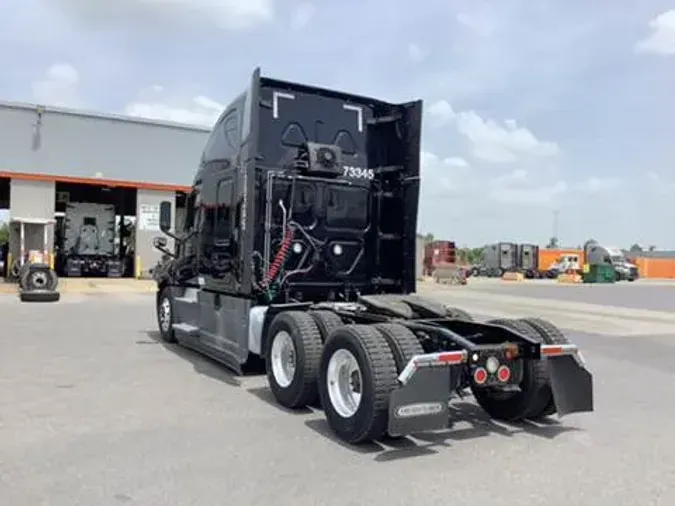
<point x="642" y="294"/>
<point x="95" y="411"/>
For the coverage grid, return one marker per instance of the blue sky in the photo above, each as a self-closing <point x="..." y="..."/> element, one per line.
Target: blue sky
<point x="531" y="108"/>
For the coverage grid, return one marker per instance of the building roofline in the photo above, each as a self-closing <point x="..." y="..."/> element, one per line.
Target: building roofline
<point x="112" y="183"/>
<point x="26" y="106"/>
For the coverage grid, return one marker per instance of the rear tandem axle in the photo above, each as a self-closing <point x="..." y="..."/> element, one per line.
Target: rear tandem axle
<point x="389" y="365"/>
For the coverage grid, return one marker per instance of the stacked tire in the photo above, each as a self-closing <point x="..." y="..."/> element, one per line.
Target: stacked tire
<point x="38" y="283"/>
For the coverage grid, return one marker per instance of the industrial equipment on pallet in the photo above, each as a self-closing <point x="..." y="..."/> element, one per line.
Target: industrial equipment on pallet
<point x="89" y="241"/>
<point x="298" y="246"/>
<point x="33" y="267"/>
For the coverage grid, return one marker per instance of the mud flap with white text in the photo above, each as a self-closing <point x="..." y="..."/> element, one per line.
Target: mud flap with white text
<point x="421" y="404"/>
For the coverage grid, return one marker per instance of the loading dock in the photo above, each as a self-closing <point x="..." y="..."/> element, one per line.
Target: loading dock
<point x="51" y="158"/>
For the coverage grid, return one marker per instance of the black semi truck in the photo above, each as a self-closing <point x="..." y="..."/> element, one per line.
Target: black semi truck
<point x="298" y="247"/>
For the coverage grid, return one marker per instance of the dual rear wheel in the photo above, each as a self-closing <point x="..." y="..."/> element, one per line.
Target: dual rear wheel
<point x="351" y="370"/>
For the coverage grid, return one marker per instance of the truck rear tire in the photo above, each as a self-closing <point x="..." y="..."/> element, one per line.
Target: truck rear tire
<point x="356" y="377"/>
<point x="326" y="321"/>
<point x="402" y="342"/>
<point x="458" y="314"/>
<point x="165" y="318"/>
<point x="550" y="334"/>
<point x="534" y="393"/>
<point x="292" y="357"/>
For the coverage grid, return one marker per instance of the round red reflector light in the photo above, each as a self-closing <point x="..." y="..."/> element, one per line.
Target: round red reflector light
<point x="504" y="373"/>
<point x="480" y="375"/>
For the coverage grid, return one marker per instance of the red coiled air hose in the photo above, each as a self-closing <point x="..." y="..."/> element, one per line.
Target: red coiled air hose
<point x="279" y="258"/>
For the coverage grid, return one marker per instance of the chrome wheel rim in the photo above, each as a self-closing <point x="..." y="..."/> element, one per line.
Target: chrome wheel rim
<point x="165" y="315"/>
<point x="345" y="382"/>
<point x="39" y="279"/>
<point x="283" y="359"/>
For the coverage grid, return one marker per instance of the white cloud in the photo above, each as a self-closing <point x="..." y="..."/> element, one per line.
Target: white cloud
<point x="495" y="143"/>
<point x="489" y="140"/>
<point x="58" y="87"/>
<point x="444" y="176"/>
<point x="518" y="188"/>
<point x="456" y="162"/>
<point x="454" y="179"/>
<point x="441" y="112"/>
<point x="154" y="103"/>
<point x="659" y="184"/>
<point x="480" y="23"/>
<point x="538" y="196"/>
<point x="302" y="15"/>
<point x="224" y="14"/>
<point x="416" y="53"/>
<point x="662" y="39"/>
<point x="595" y="185"/>
<point x="518" y="176"/>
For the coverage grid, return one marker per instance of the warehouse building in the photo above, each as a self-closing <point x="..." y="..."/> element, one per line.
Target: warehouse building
<point x="50" y="157"/>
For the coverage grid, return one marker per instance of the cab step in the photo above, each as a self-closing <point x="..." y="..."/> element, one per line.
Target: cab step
<point x="186" y="330"/>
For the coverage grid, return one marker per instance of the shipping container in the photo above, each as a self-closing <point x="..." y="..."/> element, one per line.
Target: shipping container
<point x="655" y="268"/>
<point x="440" y="252"/>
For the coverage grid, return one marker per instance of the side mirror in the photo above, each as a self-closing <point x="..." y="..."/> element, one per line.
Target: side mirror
<point x="165" y="220"/>
<point x="159" y="243"/>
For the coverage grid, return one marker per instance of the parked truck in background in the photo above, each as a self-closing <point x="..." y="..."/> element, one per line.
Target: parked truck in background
<point x="624" y="269"/>
<point x="499" y="258"/>
<point x="528" y="260"/>
<point x="88" y="241"/>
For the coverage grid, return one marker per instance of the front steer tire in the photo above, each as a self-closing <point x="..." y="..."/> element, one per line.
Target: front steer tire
<point x="300" y="389"/>
<point x="369" y="421"/>
<point x="164" y="304"/>
<point x="534" y="394"/>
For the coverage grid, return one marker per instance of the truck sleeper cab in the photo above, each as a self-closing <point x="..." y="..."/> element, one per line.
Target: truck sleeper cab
<point x="298" y="247"/>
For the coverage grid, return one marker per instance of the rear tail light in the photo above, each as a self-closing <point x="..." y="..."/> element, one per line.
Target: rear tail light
<point x="480" y="376"/>
<point x="504" y="374"/>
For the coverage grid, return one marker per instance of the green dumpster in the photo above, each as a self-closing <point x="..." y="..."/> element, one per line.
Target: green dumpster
<point x="600" y="273"/>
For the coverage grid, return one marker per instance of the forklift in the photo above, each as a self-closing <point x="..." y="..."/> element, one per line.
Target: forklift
<point x="33" y="268"/>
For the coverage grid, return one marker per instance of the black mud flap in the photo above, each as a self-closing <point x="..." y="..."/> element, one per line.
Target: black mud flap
<point x="421" y="405"/>
<point x="571" y="384"/>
